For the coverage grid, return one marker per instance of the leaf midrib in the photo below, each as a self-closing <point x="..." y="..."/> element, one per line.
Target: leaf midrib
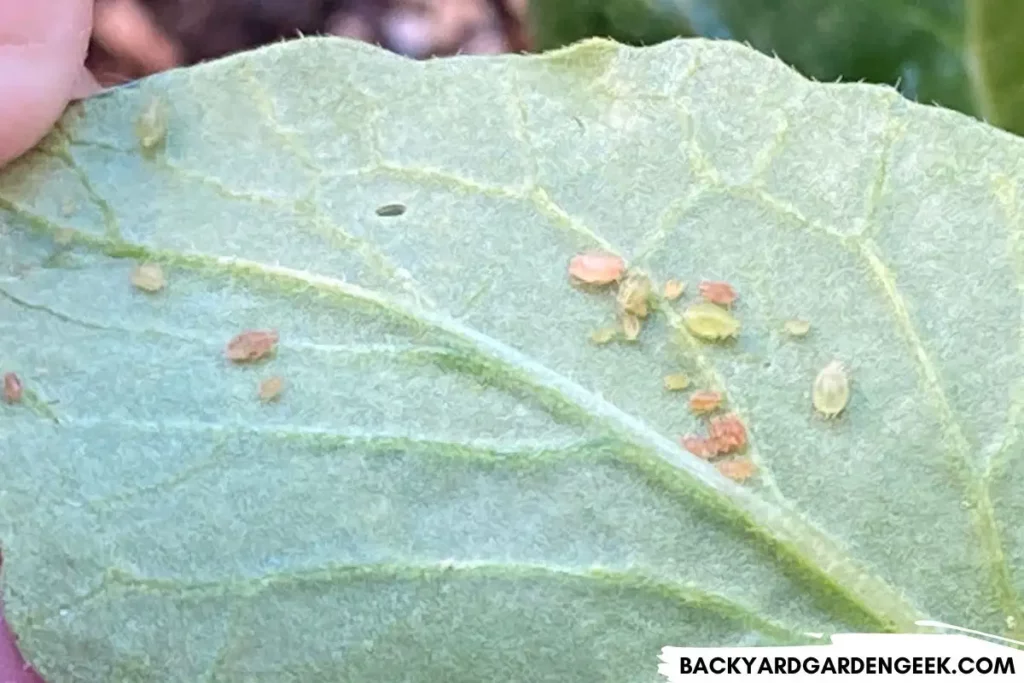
<point x="781" y="527"/>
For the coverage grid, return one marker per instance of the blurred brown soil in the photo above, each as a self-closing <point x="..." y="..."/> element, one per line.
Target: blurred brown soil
<point x="136" y="38"/>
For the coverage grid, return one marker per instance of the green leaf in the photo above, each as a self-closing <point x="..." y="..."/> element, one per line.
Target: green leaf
<point x="455" y="483"/>
<point x="962" y="54"/>
<point x="996" y="60"/>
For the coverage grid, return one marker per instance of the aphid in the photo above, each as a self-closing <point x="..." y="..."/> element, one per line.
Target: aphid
<point x="604" y="335"/>
<point x="674" y="289"/>
<point x="698" y="445"/>
<point x="738" y="469"/>
<point x="12" y="388"/>
<point x="389" y="210"/>
<point x="705" y="401"/>
<point x="149" y="277"/>
<point x="270" y="389"/>
<point x="630" y="327"/>
<point x="635" y="294"/>
<point x="151" y="126"/>
<point x="831" y="391"/>
<point x="596" y="267"/>
<point x="676" y="382"/>
<point x="251" y="345"/>
<point x="727" y="433"/>
<point x="710" y="322"/>
<point x="720" y="293"/>
<point x="796" y="328"/>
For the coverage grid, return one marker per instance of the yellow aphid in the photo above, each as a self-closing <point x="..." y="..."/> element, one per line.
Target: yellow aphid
<point x="596" y="267"/>
<point x="634" y="294"/>
<point x="149" y="277"/>
<point x="796" y="328"/>
<point x="604" y="335"/>
<point x="831" y="391"/>
<point x="630" y="327"/>
<point x="151" y="126"/>
<point x="676" y="382"/>
<point x="711" y="322"/>
<point x="738" y="469"/>
<point x="270" y="389"/>
<point x="674" y="289"/>
<point x="63" y="236"/>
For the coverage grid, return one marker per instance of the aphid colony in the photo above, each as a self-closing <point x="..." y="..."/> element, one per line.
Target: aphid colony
<point x="710" y="319"/>
<point x="248" y="346"/>
<point x="635" y="298"/>
<point x="727" y="435"/>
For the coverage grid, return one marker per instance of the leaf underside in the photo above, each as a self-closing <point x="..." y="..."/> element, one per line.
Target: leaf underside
<point x="455" y="484"/>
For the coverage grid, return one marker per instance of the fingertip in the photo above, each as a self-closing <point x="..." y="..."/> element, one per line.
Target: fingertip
<point x="85" y="85"/>
<point x="13" y="668"/>
<point x="35" y="86"/>
<point x="42" y="51"/>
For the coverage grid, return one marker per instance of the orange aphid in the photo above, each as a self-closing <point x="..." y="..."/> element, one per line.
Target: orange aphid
<point x="705" y="401"/>
<point x="738" y="470"/>
<point x="12" y="388"/>
<point x="270" y="389"/>
<point x="597" y="267"/>
<point x="697" y="445"/>
<point x="251" y="345"/>
<point x="727" y="433"/>
<point x="721" y="293"/>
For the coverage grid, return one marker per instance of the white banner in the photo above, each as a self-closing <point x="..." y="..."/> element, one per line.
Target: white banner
<point x="856" y="658"/>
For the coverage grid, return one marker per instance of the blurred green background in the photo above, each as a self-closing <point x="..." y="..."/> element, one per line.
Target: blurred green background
<point x="961" y="54"/>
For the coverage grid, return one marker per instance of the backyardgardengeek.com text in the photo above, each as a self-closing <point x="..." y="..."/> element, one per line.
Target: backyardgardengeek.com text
<point x="847" y="665"/>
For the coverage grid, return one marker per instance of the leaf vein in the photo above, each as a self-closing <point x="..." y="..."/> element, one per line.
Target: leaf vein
<point x="974" y="482"/>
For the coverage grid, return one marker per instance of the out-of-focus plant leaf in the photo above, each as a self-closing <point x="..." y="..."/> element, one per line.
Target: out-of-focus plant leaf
<point x="634" y="22"/>
<point x="995" y="49"/>
<point x="922" y="47"/>
<point x="455" y="484"/>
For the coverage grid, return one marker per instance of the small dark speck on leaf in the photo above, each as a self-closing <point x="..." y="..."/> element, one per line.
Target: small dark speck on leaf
<point x="390" y="210"/>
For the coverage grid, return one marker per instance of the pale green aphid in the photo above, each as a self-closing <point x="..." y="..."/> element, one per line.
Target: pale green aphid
<point x="676" y="382"/>
<point x="797" y="328"/>
<point x="149" y="277"/>
<point x="151" y="126"/>
<point x="604" y="335"/>
<point x="831" y="390"/>
<point x="711" y="322"/>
